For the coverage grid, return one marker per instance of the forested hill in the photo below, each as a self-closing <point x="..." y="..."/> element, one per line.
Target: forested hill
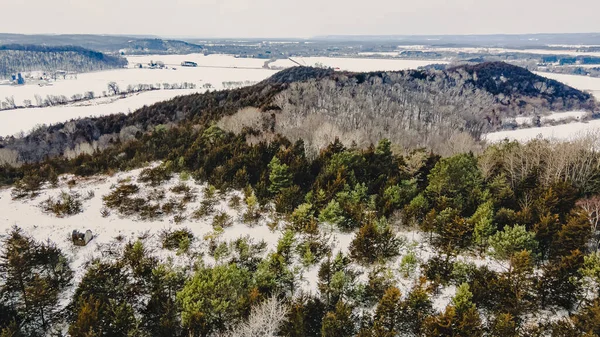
<point x="499" y="78"/>
<point x="24" y="58"/>
<point x="413" y="108"/>
<point x="160" y="46"/>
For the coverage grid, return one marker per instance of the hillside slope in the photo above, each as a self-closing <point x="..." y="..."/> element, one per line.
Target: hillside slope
<point x="413" y="108"/>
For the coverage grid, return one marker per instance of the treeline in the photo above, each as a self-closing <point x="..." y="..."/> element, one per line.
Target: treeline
<point x="530" y="207"/>
<point x="24" y="58"/>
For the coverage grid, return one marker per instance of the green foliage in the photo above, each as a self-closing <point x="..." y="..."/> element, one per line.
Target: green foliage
<point x="397" y="196"/>
<point x="28" y="186"/>
<point x="302" y="219"/>
<point x="67" y="204"/>
<point x="222" y="220"/>
<point x="252" y="211"/>
<point x="155" y="176"/>
<point x="511" y="240"/>
<point x="279" y="176"/>
<point x="459" y="319"/>
<point x="336" y="279"/>
<point x="33" y="276"/>
<point x="483" y="225"/>
<point x="454" y="232"/>
<point x="462" y="300"/>
<point x="332" y="213"/>
<point x="339" y="323"/>
<point x="375" y="242"/>
<point x="409" y="264"/>
<point x="455" y="182"/>
<point x="214" y="299"/>
<point x="177" y="239"/>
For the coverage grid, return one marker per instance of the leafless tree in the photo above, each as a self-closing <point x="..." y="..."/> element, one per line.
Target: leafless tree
<point x="113" y="88"/>
<point x="591" y="208"/>
<point x="265" y="320"/>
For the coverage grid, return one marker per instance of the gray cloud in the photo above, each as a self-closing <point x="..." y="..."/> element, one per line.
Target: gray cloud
<point x="285" y="18"/>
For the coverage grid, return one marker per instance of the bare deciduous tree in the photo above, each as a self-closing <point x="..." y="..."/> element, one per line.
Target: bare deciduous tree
<point x="265" y="320"/>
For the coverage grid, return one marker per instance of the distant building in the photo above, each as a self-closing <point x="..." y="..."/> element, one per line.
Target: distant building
<point x="18" y="79"/>
<point x="189" y="64"/>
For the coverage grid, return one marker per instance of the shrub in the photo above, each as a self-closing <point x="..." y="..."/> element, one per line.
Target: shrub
<point x="222" y="220"/>
<point x="374" y="242"/>
<point x="173" y="240"/>
<point x="235" y="202"/>
<point x="155" y="176"/>
<point x="66" y="204"/>
<point x="408" y="264"/>
<point x="186" y="191"/>
<point x="28" y="186"/>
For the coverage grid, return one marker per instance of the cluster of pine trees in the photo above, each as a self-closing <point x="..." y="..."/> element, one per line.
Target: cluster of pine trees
<point x="516" y="204"/>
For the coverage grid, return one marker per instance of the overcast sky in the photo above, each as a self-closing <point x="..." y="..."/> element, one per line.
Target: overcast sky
<point x="299" y="18"/>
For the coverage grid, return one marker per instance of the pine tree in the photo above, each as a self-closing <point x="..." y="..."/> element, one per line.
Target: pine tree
<point x="459" y="319"/>
<point x="339" y="323"/>
<point x="375" y="241"/>
<point x="389" y="312"/>
<point x="87" y="323"/>
<point x="214" y="299"/>
<point x="511" y="240"/>
<point x="575" y="234"/>
<point x="34" y="274"/>
<point x="279" y="176"/>
<point x="483" y="225"/>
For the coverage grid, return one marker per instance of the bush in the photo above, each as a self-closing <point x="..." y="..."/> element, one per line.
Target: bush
<point x="28" y="186"/>
<point x="375" y="242"/>
<point x="174" y="240"/>
<point x="186" y="191"/>
<point x="66" y="204"/>
<point x="408" y="264"/>
<point x="222" y="220"/>
<point x="235" y="202"/>
<point x="155" y="176"/>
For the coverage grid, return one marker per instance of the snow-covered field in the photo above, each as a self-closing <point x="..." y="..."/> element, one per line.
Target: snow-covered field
<point x="576" y="81"/>
<point x="14" y="121"/>
<point x="212" y="69"/>
<point x="557" y="116"/>
<point x="356" y="64"/>
<point x="481" y="50"/>
<point x="568" y="131"/>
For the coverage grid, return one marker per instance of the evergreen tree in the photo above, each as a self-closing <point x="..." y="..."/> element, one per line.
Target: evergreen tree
<point x="511" y="240"/>
<point x="87" y="323"/>
<point x="459" y="319"/>
<point x="279" y="176"/>
<point x="339" y="323"/>
<point x="483" y="225"/>
<point x="214" y="299"/>
<point x="33" y="277"/>
<point x="375" y="241"/>
<point x="389" y="313"/>
<point x="455" y="182"/>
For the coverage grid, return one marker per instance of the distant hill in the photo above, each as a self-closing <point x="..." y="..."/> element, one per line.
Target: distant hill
<point x="23" y="58"/>
<point x="413" y="108"/>
<point x="159" y="46"/>
<point x="106" y="43"/>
